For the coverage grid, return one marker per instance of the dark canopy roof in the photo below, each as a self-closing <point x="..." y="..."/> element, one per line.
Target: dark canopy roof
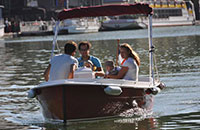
<point x="105" y="10"/>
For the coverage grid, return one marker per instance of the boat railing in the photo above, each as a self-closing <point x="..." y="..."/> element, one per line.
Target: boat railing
<point x="142" y="83"/>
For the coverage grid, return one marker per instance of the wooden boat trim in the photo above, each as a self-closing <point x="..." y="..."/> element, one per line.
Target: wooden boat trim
<point x="103" y="82"/>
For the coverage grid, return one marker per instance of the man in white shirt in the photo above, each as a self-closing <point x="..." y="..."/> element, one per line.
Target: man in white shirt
<point x="64" y="65"/>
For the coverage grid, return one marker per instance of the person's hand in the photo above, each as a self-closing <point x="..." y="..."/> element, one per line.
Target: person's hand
<point x="95" y="74"/>
<point x="107" y="76"/>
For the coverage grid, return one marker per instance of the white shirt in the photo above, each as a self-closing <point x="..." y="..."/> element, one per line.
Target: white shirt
<point x="60" y="66"/>
<point x="133" y="69"/>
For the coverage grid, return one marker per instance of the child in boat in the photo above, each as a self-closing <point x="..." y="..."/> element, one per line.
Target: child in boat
<point x="111" y="69"/>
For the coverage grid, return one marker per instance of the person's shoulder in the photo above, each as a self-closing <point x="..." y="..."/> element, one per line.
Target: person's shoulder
<point x="131" y="62"/>
<point x="58" y="56"/>
<point x="128" y="62"/>
<point x="95" y="61"/>
<point x="73" y="58"/>
<point x="94" y="58"/>
<point x="79" y="59"/>
<point x="66" y="56"/>
<point x="130" y="59"/>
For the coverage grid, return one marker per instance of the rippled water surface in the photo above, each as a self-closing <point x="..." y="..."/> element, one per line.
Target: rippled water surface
<point x="177" y="107"/>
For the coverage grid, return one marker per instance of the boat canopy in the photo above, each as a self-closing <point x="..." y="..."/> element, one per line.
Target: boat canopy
<point x="105" y="10"/>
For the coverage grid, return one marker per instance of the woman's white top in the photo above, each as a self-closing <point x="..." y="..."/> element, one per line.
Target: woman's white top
<point x="133" y="69"/>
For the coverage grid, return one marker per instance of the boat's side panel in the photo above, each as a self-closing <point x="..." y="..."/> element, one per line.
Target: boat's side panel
<point x="85" y="101"/>
<point x="117" y="26"/>
<point x="51" y="101"/>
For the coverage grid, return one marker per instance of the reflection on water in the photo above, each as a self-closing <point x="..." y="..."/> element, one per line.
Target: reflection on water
<point x="114" y="124"/>
<point x="181" y="121"/>
<point x="178" y="59"/>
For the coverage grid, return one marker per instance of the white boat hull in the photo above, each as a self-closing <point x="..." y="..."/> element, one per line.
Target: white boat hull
<point x="80" y="26"/>
<point x="83" y="29"/>
<point x="121" y="24"/>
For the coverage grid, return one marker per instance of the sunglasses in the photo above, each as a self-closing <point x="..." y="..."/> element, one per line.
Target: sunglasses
<point x="84" y="49"/>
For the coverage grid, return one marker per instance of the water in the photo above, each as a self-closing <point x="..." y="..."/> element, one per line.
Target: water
<point x="23" y="61"/>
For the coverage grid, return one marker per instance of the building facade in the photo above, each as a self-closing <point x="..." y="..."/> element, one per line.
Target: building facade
<point x="30" y="10"/>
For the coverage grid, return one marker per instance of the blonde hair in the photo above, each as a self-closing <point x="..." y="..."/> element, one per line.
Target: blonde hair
<point x="132" y="53"/>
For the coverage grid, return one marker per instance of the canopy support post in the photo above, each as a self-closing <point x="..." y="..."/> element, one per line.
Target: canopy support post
<point x="55" y="38"/>
<point x="151" y="49"/>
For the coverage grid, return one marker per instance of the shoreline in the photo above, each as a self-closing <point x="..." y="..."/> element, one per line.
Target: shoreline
<point x="48" y="33"/>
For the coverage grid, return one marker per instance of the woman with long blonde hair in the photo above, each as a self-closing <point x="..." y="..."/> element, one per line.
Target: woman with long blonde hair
<point x="130" y="64"/>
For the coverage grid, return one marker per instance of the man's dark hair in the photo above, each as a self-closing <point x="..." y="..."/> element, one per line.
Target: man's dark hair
<point x="87" y="43"/>
<point x="70" y="47"/>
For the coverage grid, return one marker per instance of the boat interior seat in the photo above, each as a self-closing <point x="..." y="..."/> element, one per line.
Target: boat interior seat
<point x="84" y="72"/>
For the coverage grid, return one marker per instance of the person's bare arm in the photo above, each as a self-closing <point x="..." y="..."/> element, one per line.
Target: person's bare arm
<point x="101" y="74"/>
<point x="46" y="72"/>
<point x="71" y="73"/>
<point x="120" y="75"/>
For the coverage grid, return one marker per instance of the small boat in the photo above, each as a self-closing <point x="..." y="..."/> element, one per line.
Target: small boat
<point x="86" y="98"/>
<point x="80" y="25"/>
<point x="122" y="23"/>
